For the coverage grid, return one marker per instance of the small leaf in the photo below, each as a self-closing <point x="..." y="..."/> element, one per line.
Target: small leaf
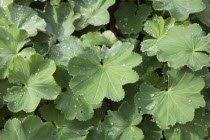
<point x="92" y="12"/>
<point x="121" y="124"/>
<point x="130" y="17"/>
<point x="31" y="128"/>
<point x="73" y="106"/>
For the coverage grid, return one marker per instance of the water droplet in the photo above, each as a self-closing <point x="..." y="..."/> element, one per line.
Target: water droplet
<point x="7" y="38"/>
<point x="151" y="105"/>
<point x="112" y="123"/>
<point x="75" y="106"/>
<point x="123" y="65"/>
<point x="176" y="129"/>
<point x="152" y="95"/>
<point x="36" y="73"/>
<point x="190" y="101"/>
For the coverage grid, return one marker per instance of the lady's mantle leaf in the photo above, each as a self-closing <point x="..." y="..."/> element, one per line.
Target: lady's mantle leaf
<point x="25" y="17"/>
<point x="92" y="12"/>
<point x="204" y="16"/>
<point x="184" y="45"/>
<point x="74" y="106"/>
<point x="31" y="128"/>
<point x="61" y="53"/>
<point x="60" y="20"/>
<point x="34" y="81"/>
<point x="102" y="74"/>
<point x="5" y="3"/>
<point x="194" y="130"/>
<point x="121" y="124"/>
<point x="12" y="41"/>
<point x="175" y="105"/>
<point x="130" y="18"/>
<point x="156" y="29"/>
<point x="179" y="9"/>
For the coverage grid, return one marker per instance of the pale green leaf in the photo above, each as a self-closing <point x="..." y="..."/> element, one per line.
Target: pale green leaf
<point x="130" y="17"/>
<point x="121" y="124"/>
<point x="184" y="45"/>
<point x="156" y="29"/>
<point x="31" y="128"/>
<point x="61" y="53"/>
<point x="179" y="9"/>
<point x="106" y="38"/>
<point x="99" y="73"/>
<point x="194" y="130"/>
<point x="178" y="103"/>
<point x="34" y="81"/>
<point x="25" y="17"/>
<point x="73" y="106"/>
<point x="60" y="20"/>
<point x="5" y="3"/>
<point x="12" y="41"/>
<point x="92" y="12"/>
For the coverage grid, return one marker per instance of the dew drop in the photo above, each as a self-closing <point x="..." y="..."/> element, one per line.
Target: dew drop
<point x="190" y="101"/>
<point x="151" y="105"/>
<point x="152" y="95"/>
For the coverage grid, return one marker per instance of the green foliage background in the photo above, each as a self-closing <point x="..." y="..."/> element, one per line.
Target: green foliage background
<point x="104" y="69"/>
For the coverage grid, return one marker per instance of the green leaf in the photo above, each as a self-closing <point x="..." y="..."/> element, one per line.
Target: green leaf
<point x="31" y="128"/>
<point x="184" y="45"/>
<point x="204" y="15"/>
<point x="61" y="53"/>
<point x="150" y="129"/>
<point x="178" y="103"/>
<point x="4" y="85"/>
<point x="5" y="3"/>
<point x="121" y="124"/>
<point x="156" y="29"/>
<point x="106" y="38"/>
<point x="130" y="17"/>
<point x="62" y="77"/>
<point x="66" y="130"/>
<point x="92" y="12"/>
<point x="34" y="81"/>
<point x="12" y="41"/>
<point x="73" y="106"/>
<point x="95" y="81"/>
<point x="60" y="20"/>
<point x="179" y="9"/>
<point x="25" y="17"/>
<point x="195" y="130"/>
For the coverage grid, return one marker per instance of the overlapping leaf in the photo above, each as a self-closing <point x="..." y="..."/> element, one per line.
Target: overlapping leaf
<point x="130" y="17"/>
<point x="178" y="103"/>
<point x="101" y="74"/>
<point x="92" y="12"/>
<point x="60" y="19"/>
<point x="61" y="53"/>
<point x="121" y="124"/>
<point x="12" y="41"/>
<point x="31" y="128"/>
<point x="74" y="106"/>
<point x="156" y="29"/>
<point x="34" y="81"/>
<point x="184" y="45"/>
<point x="194" y="130"/>
<point x="25" y="17"/>
<point x="204" y="15"/>
<point x="180" y="9"/>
